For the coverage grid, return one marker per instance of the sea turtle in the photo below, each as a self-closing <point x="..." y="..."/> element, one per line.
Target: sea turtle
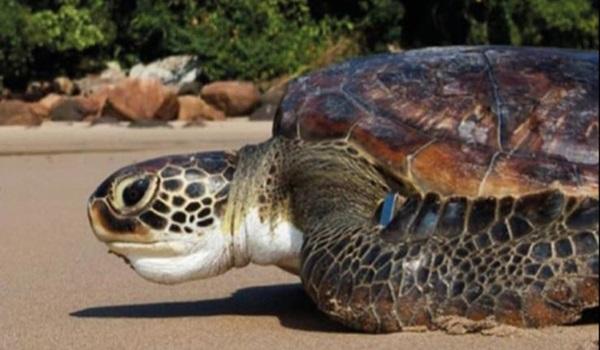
<point x="400" y="187"/>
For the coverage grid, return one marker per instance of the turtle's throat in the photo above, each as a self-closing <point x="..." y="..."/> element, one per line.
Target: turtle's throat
<point x="257" y="207"/>
<point x="242" y="198"/>
<point x="276" y="242"/>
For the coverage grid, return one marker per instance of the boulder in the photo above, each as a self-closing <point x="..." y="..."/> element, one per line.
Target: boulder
<point x="193" y="108"/>
<point x="4" y="93"/>
<point x="108" y="78"/>
<point x="269" y="102"/>
<point x="191" y="88"/>
<point x="175" y="71"/>
<point x="45" y="105"/>
<point x="36" y="90"/>
<point x="14" y="112"/>
<point x="149" y="123"/>
<point x="64" y="86"/>
<point x="75" y="109"/>
<point x="275" y="94"/>
<point x="99" y="97"/>
<point x="141" y="99"/>
<point x="232" y="97"/>
<point x="264" y="112"/>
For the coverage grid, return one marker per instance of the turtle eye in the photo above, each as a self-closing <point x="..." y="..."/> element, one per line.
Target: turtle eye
<point x="133" y="193"/>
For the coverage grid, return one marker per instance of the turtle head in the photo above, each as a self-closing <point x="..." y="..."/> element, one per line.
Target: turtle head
<point x="165" y="216"/>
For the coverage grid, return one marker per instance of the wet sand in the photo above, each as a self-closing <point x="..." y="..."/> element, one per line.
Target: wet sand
<point x="59" y="289"/>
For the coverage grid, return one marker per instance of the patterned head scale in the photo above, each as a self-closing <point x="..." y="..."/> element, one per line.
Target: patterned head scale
<point x="173" y="195"/>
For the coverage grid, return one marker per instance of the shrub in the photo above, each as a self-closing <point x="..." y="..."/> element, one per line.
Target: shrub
<point x="68" y="28"/>
<point x="262" y="39"/>
<point x="15" y="53"/>
<point x="242" y="39"/>
<point x="48" y="42"/>
<point x="572" y="23"/>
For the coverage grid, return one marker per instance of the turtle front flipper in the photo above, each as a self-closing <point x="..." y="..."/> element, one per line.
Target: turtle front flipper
<point x="529" y="262"/>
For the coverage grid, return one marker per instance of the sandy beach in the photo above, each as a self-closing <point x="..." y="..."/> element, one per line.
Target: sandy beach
<point x="59" y="289"/>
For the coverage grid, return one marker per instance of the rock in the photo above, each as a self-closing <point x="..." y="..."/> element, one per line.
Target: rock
<point x="141" y="99"/>
<point x="113" y="66"/>
<point x="13" y="112"/>
<point x="151" y="123"/>
<point x="64" y="86"/>
<point x="108" y="78"/>
<point x="264" y="112"/>
<point x="195" y="124"/>
<point x="75" y="109"/>
<point x="269" y="102"/>
<point x="45" y="105"/>
<point x="172" y="71"/>
<point x="36" y="90"/>
<point x="233" y="97"/>
<point x="67" y="110"/>
<point x="5" y="93"/>
<point x="104" y="119"/>
<point x="191" y="88"/>
<point x="193" y="108"/>
<point x="274" y="95"/>
<point x="100" y="96"/>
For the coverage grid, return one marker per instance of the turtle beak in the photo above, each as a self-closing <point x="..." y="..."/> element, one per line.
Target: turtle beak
<point x="110" y="227"/>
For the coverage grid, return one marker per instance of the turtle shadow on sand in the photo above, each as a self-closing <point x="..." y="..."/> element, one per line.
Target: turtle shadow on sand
<point x="287" y="302"/>
<point x="589" y="316"/>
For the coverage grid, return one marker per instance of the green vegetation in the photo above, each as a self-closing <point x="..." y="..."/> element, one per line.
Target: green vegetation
<point x="263" y="39"/>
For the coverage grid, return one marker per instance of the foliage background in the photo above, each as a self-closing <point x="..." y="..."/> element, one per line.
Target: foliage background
<point x="263" y="39"/>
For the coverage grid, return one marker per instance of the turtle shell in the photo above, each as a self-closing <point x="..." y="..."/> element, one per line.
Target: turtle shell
<point x="468" y="121"/>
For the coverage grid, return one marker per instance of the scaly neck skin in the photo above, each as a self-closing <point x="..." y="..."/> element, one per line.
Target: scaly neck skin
<point x="256" y="216"/>
<point x="282" y="188"/>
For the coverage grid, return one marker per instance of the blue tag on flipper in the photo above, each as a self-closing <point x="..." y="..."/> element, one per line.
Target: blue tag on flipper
<point x="387" y="212"/>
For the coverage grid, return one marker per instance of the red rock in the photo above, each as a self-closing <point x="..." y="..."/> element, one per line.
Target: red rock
<point x="232" y="97"/>
<point x="193" y="108"/>
<point x="18" y="113"/>
<point x="43" y="107"/>
<point x="137" y="99"/>
<point x="100" y="96"/>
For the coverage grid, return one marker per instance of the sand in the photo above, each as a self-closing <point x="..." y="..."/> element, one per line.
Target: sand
<point x="59" y="289"/>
